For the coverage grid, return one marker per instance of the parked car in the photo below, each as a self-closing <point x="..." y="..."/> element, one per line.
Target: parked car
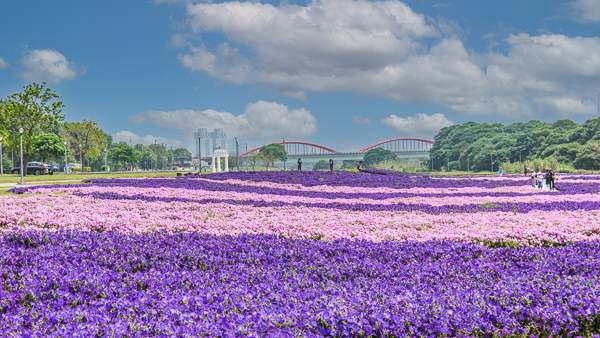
<point x="35" y="168"/>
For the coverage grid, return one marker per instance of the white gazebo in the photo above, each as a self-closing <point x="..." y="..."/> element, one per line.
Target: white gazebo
<point x="216" y="158"/>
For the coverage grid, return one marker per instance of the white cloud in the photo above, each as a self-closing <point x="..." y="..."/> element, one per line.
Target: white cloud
<point x="3" y="64"/>
<point x="418" y="125"/>
<point x="357" y="119"/>
<point x="133" y="139"/>
<point x="381" y="48"/>
<point x="587" y="10"/>
<point x="48" y="65"/>
<point x="261" y="120"/>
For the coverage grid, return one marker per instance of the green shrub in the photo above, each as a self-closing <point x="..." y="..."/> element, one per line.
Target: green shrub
<point x="75" y="169"/>
<point x="87" y="169"/>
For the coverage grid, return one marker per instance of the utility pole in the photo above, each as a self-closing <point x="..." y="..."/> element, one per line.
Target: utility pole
<point x="81" y="158"/>
<point x="237" y="154"/>
<point x="155" y="154"/>
<point x="200" y="150"/>
<point x="492" y="160"/>
<point x="448" y="161"/>
<point x="468" y="165"/>
<point x="21" y="132"/>
<point x="284" y="152"/>
<point x="105" y="160"/>
<point x="66" y="169"/>
<point x="246" y="155"/>
<point x="520" y="164"/>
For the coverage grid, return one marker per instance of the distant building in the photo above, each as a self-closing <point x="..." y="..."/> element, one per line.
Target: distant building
<point x="209" y="142"/>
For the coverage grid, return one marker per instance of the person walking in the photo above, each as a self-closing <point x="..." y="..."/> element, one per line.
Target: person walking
<point x="533" y="179"/>
<point x="330" y="164"/>
<point x="501" y="171"/>
<point x="525" y="171"/>
<point x="359" y="166"/>
<point x="547" y="177"/>
<point x="299" y="164"/>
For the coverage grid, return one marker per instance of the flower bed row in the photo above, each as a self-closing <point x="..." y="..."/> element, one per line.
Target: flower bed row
<point x="193" y="285"/>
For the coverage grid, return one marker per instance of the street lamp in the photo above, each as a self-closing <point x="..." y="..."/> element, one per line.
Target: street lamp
<point x="448" y="161"/>
<point x="237" y="154"/>
<point x="81" y="158"/>
<point x="492" y="160"/>
<point x="555" y="166"/>
<point x="1" y="170"/>
<point x="284" y="152"/>
<point x="468" y="164"/>
<point x="155" y="154"/>
<point x="66" y="171"/>
<point x="105" y="160"/>
<point x="246" y="155"/>
<point x="520" y="165"/>
<point x="21" y="132"/>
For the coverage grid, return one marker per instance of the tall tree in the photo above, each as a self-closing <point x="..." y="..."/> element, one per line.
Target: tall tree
<point x="123" y="154"/>
<point x="182" y="154"/>
<point x="34" y="109"/>
<point x="48" y="145"/>
<point x="84" y="136"/>
<point x="272" y="152"/>
<point x="378" y="155"/>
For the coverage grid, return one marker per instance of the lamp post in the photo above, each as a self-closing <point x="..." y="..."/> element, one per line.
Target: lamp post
<point x="237" y="154"/>
<point x="555" y="166"/>
<point x="448" y="162"/>
<point x="1" y="169"/>
<point x="492" y="161"/>
<point x="163" y="149"/>
<point x="66" y="169"/>
<point x="246" y="155"/>
<point x="105" y="160"/>
<point x="284" y="152"/>
<point x="21" y="132"/>
<point x="468" y="164"/>
<point x="520" y="165"/>
<point x="80" y="158"/>
<point x="155" y="154"/>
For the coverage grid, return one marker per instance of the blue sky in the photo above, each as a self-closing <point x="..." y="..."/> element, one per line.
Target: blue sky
<point x="341" y="73"/>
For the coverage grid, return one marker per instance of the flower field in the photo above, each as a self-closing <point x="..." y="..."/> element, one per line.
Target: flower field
<point x="302" y="254"/>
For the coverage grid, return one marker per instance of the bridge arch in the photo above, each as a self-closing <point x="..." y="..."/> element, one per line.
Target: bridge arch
<point x="298" y="148"/>
<point x="402" y="145"/>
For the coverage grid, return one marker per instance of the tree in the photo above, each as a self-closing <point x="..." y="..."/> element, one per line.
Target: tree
<point x="84" y="136"/>
<point x="588" y="157"/>
<point x="147" y="157"/>
<point x="272" y="152"/>
<point x="139" y="147"/>
<point x="34" y="109"/>
<point x="253" y="159"/>
<point x="378" y="155"/>
<point x="321" y="165"/>
<point x="124" y="153"/>
<point x="182" y="154"/>
<point x="48" y="145"/>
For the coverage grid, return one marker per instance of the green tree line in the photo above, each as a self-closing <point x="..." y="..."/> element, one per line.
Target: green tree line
<point x="478" y="146"/>
<point x="47" y="137"/>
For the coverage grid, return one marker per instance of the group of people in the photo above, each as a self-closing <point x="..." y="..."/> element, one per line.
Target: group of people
<point x="537" y="179"/>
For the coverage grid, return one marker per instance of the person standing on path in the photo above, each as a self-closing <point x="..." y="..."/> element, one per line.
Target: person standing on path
<point x="359" y="166"/>
<point x="547" y="177"/>
<point x="533" y="179"/>
<point x="551" y="176"/>
<point x="299" y="164"/>
<point x="330" y="164"/>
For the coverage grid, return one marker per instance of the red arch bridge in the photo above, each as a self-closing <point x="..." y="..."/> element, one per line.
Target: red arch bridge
<point x="406" y="148"/>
